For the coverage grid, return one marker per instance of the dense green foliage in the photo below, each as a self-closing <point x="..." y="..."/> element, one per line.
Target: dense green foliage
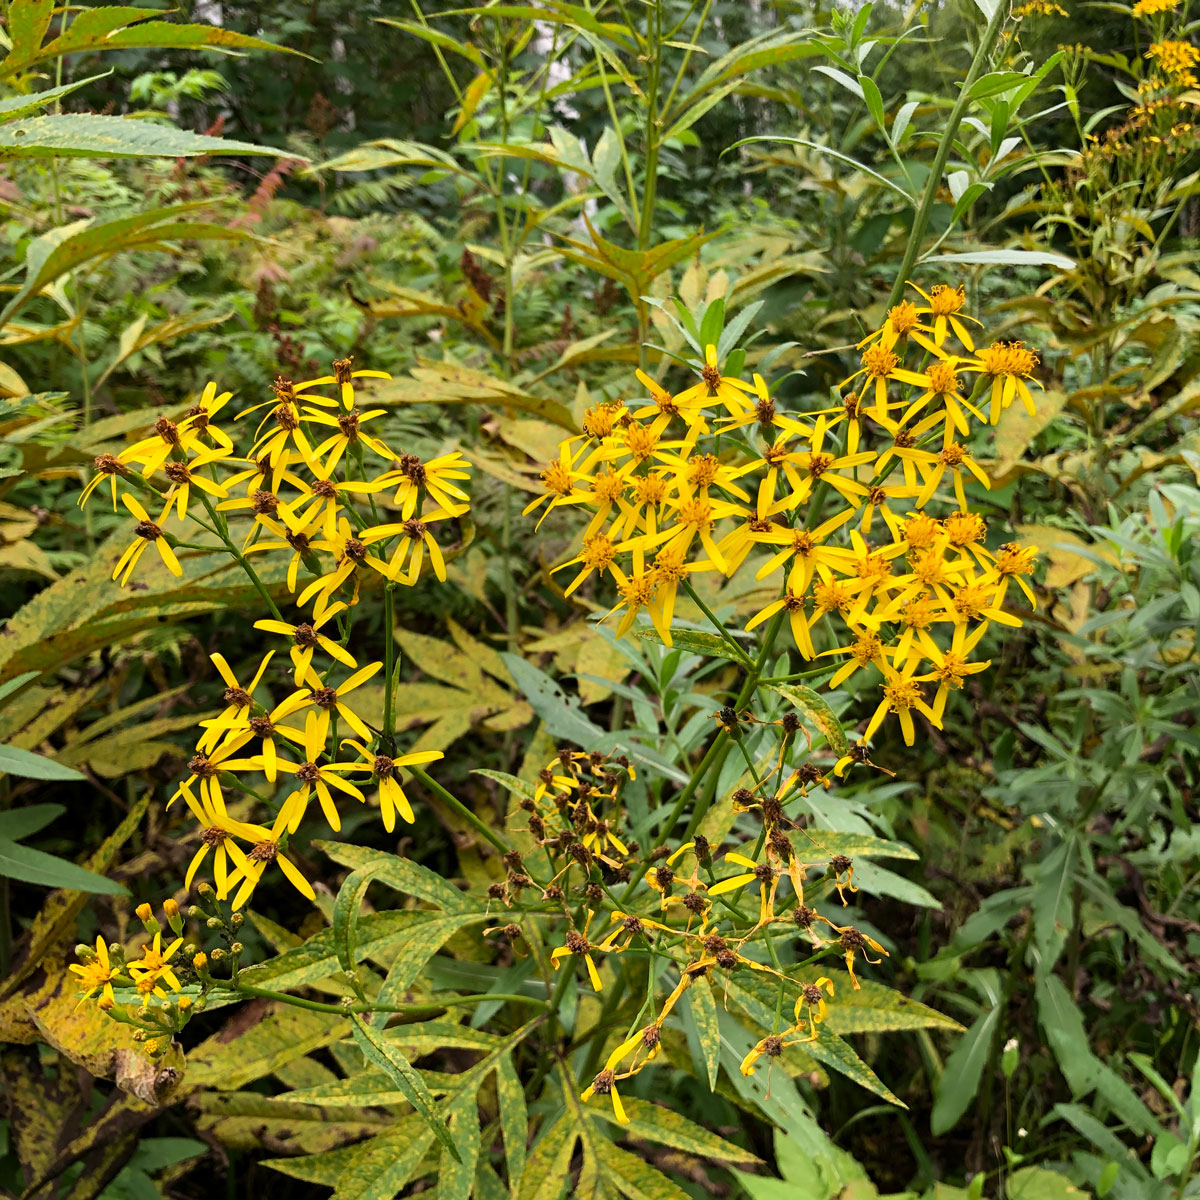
<point x="499" y="214"/>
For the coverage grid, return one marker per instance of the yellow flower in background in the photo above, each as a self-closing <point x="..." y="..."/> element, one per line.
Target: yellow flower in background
<point x="1149" y="8"/>
<point x="1007" y="365"/>
<point x="715" y="388"/>
<point x="436" y="477"/>
<point x="1175" y="59"/>
<point x="306" y="638"/>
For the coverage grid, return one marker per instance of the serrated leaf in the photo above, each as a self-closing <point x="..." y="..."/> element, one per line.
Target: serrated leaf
<point x="26" y="764"/>
<point x="277" y="1038"/>
<point x="346" y="908"/>
<point x="518" y="787"/>
<point x="376" y="1049"/>
<point x="817" y="711"/>
<point x="86" y="135"/>
<point x="456" y="1171"/>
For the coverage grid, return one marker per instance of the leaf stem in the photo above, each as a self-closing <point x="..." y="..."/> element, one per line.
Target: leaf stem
<point x="463" y="811"/>
<point x="933" y="183"/>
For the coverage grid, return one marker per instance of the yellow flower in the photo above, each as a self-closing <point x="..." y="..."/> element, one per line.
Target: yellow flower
<point x="109" y="467"/>
<point x="598" y="554"/>
<point x="168" y="440"/>
<point x="326" y="700"/>
<point x="95" y="974"/>
<point x="805" y="550"/>
<point x="766" y="876"/>
<point x="315" y="778"/>
<point x="156" y="962"/>
<point x="901" y="694"/>
<point x="1175" y="58"/>
<point x="1040" y="8"/>
<point x="183" y="478"/>
<point x="952" y="458"/>
<point x="951" y="666"/>
<point x="435" y="477"/>
<point x="349" y="433"/>
<point x="1149" y="8"/>
<point x="385" y="771"/>
<point x="217" y="828"/>
<point x="349" y="553"/>
<point x="812" y="1002"/>
<point x="717" y="388"/>
<point x="205" y="770"/>
<point x="1008" y="365"/>
<point x="559" y="480"/>
<point x="287" y="535"/>
<point x="237" y="699"/>
<point x="343" y="377"/>
<point x="306" y="638"/>
<point x="415" y="536"/>
<point x="264" y="851"/>
<point x="852" y="942"/>
<point x="576" y="943"/>
<point x="148" y="532"/>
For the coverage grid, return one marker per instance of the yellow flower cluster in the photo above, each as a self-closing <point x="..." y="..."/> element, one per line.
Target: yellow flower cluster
<point x="300" y="490"/>
<point x="837" y="498"/>
<point x="1150" y="8"/>
<point x="1175" y="60"/>
<point x="575" y="817"/>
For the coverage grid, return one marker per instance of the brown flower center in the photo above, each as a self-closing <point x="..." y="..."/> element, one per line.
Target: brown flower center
<point x="264" y="852"/>
<point x="265" y="503"/>
<point x="304" y="635"/>
<point x="167" y="430"/>
<point x="308" y="772"/>
<point x="147" y="530"/>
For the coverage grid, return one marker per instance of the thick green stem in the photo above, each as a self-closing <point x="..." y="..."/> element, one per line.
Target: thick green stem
<point x="933" y="183"/>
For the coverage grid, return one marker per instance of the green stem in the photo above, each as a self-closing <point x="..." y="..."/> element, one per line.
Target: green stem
<point x="932" y="184"/>
<point x="244" y="989"/>
<point x="717" y="624"/>
<point x="221" y="530"/>
<point x="463" y="811"/>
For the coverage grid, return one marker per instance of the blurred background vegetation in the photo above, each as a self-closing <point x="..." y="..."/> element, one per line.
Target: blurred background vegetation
<point x="463" y="199"/>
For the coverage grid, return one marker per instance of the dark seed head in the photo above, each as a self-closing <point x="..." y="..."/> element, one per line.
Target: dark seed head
<point x="147" y="530"/>
<point x="602" y="1085"/>
<point x="308" y="772"/>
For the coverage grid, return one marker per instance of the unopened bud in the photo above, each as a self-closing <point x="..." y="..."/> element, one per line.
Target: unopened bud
<point x="213" y="922"/>
<point x="217" y="955"/>
<point x="236" y="948"/>
<point x="235" y="920"/>
<point x="200" y="961"/>
<point x="185" y="1003"/>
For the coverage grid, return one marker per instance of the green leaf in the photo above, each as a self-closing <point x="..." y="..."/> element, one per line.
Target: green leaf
<point x="873" y="1007"/>
<point x="376" y="1169"/>
<point x="345" y="912"/>
<point x="12" y="108"/>
<point x="518" y="787"/>
<point x="694" y="642"/>
<point x="633" y="1176"/>
<point x="26" y="764"/>
<point x="549" y="1163"/>
<point x="960" y="1080"/>
<point x="838" y="1055"/>
<point x="665" y="1127"/>
<point x="47" y="870"/>
<point x="456" y="1168"/>
<point x="28" y="21"/>
<point x="53" y="255"/>
<point x="87" y="135"/>
<point x="408" y="877"/>
<point x="703" y="1010"/>
<point x="12" y="685"/>
<point x="379" y="934"/>
<point x="1066" y="1034"/>
<point x="514" y="1120"/>
<point x="1052" y="904"/>
<point x="817" y="711"/>
<point x="831" y="842"/>
<point x="385" y="1055"/>
<point x="874" y="101"/>
<point x="831" y="153"/>
<point x="1037" y="1183"/>
<point x="18" y="823"/>
<point x="1007" y="258"/>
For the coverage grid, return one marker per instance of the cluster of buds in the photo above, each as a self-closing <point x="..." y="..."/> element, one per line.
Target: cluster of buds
<point x="158" y="992"/>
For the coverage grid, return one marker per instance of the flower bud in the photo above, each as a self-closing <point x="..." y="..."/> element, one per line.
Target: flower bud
<point x="171" y="909"/>
<point x="185" y="1003"/>
<point x="236" y="948"/>
<point x="200" y="961"/>
<point x="105" y="1004"/>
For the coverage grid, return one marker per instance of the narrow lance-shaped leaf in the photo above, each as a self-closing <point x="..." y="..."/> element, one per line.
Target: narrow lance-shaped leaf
<point x="385" y="1056"/>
